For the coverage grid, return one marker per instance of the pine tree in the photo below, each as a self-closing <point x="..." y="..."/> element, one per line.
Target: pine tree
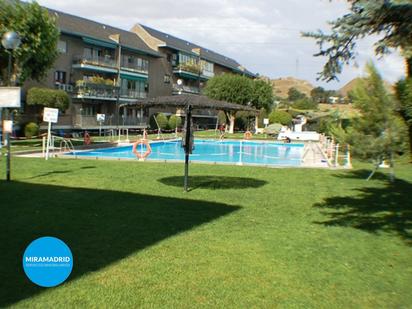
<point x="389" y="19"/>
<point x="379" y="133"/>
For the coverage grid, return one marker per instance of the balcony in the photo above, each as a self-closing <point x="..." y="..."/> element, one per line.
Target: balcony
<point x="103" y="64"/>
<point x="84" y="90"/>
<point x="191" y="71"/>
<point x="132" y="94"/>
<point x="185" y="89"/>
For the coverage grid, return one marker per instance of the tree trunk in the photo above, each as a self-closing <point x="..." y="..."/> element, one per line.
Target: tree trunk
<point x="232" y="123"/>
<point x="408" y="67"/>
<point x="410" y="142"/>
<point x="408" y="62"/>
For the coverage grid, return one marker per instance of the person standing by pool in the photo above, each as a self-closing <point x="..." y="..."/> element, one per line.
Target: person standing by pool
<point x="222" y="130"/>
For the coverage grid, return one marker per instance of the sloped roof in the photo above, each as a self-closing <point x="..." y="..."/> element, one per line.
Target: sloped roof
<point x="185" y="46"/>
<point x="76" y="25"/>
<point x="196" y="101"/>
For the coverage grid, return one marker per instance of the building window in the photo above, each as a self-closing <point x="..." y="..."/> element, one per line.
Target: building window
<point x="207" y="66"/>
<point x="60" y="77"/>
<point x="92" y="53"/>
<point x="133" y="88"/>
<point x="135" y="63"/>
<point x="88" y="111"/>
<point x="188" y="59"/>
<point x="62" y="46"/>
<point x="167" y="79"/>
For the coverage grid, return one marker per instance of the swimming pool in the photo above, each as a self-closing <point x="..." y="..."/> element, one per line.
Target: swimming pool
<point x="212" y="151"/>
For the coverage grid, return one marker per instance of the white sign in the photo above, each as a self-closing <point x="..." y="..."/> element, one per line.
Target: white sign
<point x="8" y="126"/>
<point x="50" y="115"/>
<point x="266" y="121"/>
<point x="100" y="117"/>
<point x="10" y="97"/>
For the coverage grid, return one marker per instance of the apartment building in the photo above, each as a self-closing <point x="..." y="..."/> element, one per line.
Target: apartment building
<point x="104" y="68"/>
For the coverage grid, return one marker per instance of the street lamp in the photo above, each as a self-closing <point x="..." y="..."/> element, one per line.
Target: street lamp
<point x="10" y="41"/>
<point x="180" y="86"/>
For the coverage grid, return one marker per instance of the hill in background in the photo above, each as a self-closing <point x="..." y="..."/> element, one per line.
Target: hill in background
<point x="352" y="84"/>
<point x="282" y="85"/>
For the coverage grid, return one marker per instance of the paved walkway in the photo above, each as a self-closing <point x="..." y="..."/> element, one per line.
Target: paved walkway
<point x="313" y="156"/>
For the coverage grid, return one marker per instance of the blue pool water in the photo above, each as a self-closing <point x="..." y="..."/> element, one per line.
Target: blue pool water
<point x="232" y="152"/>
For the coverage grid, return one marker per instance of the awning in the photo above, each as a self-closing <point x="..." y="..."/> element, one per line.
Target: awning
<point x="99" y="43"/>
<point x="133" y="76"/>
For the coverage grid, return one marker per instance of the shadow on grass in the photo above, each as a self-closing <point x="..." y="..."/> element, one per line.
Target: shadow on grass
<point x="383" y="209"/>
<point x="60" y="172"/>
<point x="364" y="174"/>
<point x="214" y="182"/>
<point x="99" y="226"/>
<point x="51" y="173"/>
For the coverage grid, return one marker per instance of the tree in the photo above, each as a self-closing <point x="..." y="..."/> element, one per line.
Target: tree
<point x="240" y="90"/>
<point x="281" y="117"/>
<point x="389" y="19"/>
<point x="48" y="98"/>
<point x="379" y="133"/>
<point x="231" y="88"/>
<point x="39" y="36"/>
<point x="294" y="94"/>
<point x="404" y="95"/>
<point x="319" y="95"/>
<point x="262" y="94"/>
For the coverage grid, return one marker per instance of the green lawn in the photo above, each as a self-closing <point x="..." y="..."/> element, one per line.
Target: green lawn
<point x="243" y="237"/>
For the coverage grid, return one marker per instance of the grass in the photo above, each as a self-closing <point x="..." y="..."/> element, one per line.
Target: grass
<point x="242" y="237"/>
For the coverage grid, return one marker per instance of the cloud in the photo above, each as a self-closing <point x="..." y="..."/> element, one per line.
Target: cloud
<point x="263" y="35"/>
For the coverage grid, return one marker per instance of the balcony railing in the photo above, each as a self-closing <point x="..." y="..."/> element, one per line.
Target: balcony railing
<point x="90" y="121"/>
<point x="193" y="70"/>
<point x="132" y="94"/>
<point x="132" y="121"/>
<point x="185" y="89"/>
<point x="90" y="90"/>
<point x="64" y="87"/>
<point x="143" y="69"/>
<point x="106" y="61"/>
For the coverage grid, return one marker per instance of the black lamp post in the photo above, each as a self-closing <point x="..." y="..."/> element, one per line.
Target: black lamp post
<point x="10" y="41"/>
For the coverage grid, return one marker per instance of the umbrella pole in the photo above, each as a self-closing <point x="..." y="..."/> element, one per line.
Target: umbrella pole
<point x="187" y="145"/>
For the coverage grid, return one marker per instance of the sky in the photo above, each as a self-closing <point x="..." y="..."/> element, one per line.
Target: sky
<point x="262" y="35"/>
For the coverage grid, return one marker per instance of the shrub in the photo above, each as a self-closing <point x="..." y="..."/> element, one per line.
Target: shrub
<point x="305" y="103"/>
<point x="48" y="98"/>
<point x="162" y="121"/>
<point x="174" y="122"/>
<point x="282" y="117"/>
<point x="31" y="129"/>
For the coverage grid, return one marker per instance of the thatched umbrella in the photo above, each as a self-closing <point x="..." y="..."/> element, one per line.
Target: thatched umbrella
<point x="196" y="101"/>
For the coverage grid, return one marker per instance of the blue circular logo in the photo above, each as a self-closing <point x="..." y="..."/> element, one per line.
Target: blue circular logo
<point x="47" y="261"/>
